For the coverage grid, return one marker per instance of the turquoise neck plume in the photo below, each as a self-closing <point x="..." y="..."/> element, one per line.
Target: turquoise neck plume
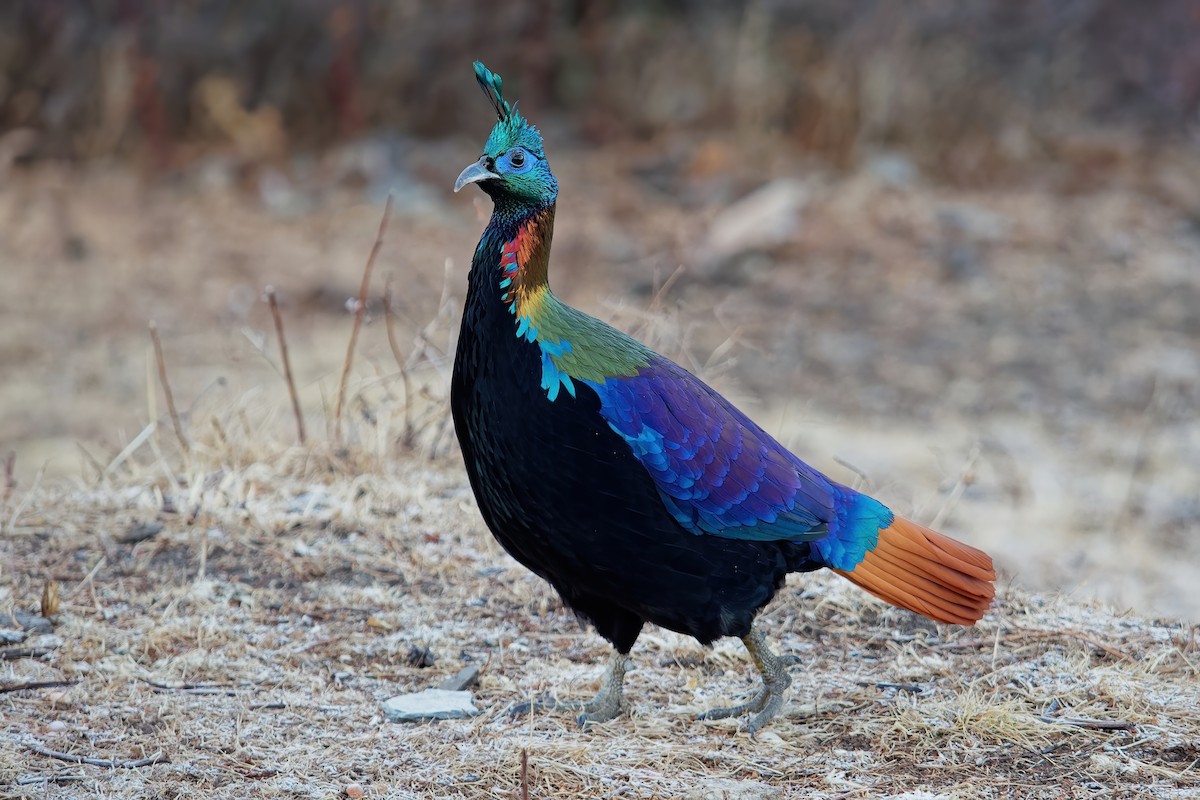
<point x="511" y="269"/>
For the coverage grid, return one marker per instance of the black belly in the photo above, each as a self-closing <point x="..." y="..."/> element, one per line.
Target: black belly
<point x="564" y="495"/>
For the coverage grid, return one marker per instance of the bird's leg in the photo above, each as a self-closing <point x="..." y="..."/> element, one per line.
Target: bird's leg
<point x="610" y="699"/>
<point x="769" y="699"/>
<point x="606" y="705"/>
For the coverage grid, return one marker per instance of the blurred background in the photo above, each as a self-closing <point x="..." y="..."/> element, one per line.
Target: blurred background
<point x="949" y="251"/>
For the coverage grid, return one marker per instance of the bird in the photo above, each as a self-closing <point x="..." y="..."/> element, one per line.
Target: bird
<point x="639" y="493"/>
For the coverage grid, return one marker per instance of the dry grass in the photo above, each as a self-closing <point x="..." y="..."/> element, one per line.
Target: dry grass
<point x="251" y="641"/>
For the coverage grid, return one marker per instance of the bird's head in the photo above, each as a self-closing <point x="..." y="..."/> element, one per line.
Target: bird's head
<point x="513" y="167"/>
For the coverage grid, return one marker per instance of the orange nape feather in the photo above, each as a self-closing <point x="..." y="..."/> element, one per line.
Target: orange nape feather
<point x="921" y="570"/>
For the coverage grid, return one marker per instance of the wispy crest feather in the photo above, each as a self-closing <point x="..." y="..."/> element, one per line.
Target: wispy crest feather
<point x="512" y="128"/>
<point x="493" y="86"/>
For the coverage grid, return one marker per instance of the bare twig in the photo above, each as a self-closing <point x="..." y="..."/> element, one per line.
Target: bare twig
<point x="862" y="476"/>
<point x="287" y="364"/>
<point x="166" y="386"/>
<point x="13" y="653"/>
<point x="10" y="482"/>
<point x="193" y="688"/>
<point x="98" y="762"/>
<point x="20" y="687"/>
<point x="965" y="478"/>
<point x="358" y="316"/>
<point x="32" y="779"/>
<point x="524" y="774"/>
<point x="1053" y="714"/>
<point x="389" y="321"/>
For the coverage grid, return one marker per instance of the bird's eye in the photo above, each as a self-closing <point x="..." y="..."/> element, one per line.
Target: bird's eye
<point x="517" y="158"/>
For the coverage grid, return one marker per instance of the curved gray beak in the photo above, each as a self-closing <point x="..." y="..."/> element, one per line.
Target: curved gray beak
<point x="475" y="173"/>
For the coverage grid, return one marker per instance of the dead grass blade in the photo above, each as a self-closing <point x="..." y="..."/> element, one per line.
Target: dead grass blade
<point x="98" y="762"/>
<point x="359" y="310"/>
<point x="287" y="363"/>
<point x="166" y="387"/>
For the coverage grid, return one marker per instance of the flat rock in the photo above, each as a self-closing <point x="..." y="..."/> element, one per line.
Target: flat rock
<point x="429" y="704"/>
<point x="761" y="221"/>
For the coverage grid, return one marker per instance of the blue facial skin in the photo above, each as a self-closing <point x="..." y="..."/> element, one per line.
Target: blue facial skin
<point x="516" y="161"/>
<point x="523" y="178"/>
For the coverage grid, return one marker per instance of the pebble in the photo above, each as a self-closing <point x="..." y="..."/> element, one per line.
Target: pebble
<point x="35" y="623"/>
<point x="465" y="678"/>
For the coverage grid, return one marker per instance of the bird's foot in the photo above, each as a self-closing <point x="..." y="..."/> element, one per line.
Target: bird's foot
<point x="607" y="705"/>
<point x="764" y="705"/>
<point x="755" y="704"/>
<point x="770" y="697"/>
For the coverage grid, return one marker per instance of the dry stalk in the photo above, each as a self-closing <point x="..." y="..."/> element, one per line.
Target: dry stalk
<point x="10" y="482"/>
<point x="14" y="653"/>
<point x="23" y="687"/>
<point x="866" y="482"/>
<point x="358" y="316"/>
<point x="30" y="780"/>
<point x="965" y="478"/>
<point x="287" y="363"/>
<point x="91" y="461"/>
<point x="166" y="385"/>
<point x="1054" y="715"/>
<point x="389" y="321"/>
<point x="98" y="762"/>
<point x="192" y="688"/>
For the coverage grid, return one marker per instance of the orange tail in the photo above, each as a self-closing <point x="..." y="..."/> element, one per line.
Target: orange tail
<point x="921" y="570"/>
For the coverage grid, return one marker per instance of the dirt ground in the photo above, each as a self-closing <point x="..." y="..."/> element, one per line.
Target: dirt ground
<point x="1020" y="364"/>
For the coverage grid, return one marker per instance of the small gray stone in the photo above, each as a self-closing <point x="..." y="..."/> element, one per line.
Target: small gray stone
<point x="140" y="533"/>
<point x="32" y="622"/>
<point x="429" y="704"/>
<point x="465" y="678"/>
